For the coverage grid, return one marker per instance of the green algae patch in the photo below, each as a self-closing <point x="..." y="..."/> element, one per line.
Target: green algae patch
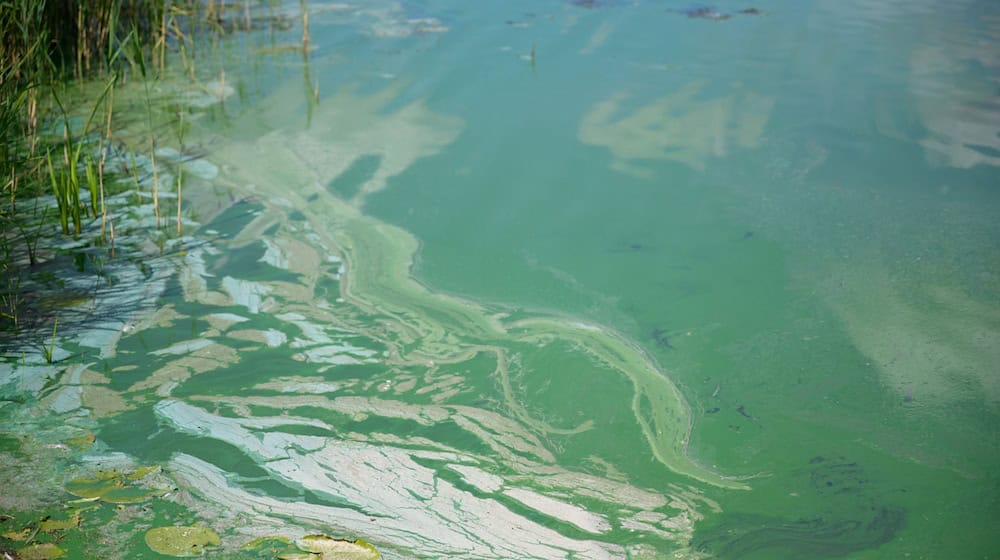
<point x="181" y="541"/>
<point x="42" y="551"/>
<point x="329" y="548"/>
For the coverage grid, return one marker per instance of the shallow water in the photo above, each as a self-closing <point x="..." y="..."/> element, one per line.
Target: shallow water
<point x="584" y="280"/>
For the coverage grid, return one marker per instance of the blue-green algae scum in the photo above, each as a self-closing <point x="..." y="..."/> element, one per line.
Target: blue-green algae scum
<point x="563" y="280"/>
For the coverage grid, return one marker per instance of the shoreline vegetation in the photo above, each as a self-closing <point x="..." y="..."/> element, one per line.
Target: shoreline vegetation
<point x="84" y="116"/>
<point x="62" y="64"/>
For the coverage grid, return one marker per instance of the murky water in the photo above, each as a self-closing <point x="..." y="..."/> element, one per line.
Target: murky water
<point x="578" y="280"/>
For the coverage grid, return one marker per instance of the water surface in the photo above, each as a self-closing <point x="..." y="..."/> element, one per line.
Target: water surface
<point x="588" y="280"/>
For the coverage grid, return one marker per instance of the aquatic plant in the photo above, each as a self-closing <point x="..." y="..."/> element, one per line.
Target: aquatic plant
<point x="116" y="487"/>
<point x="44" y="43"/>
<point x="52" y="344"/>
<point x="181" y="541"/>
<point x="305" y="26"/>
<point x="66" y="182"/>
<point x="180" y="168"/>
<point x="323" y="547"/>
<point x="10" y="300"/>
<point x="40" y="551"/>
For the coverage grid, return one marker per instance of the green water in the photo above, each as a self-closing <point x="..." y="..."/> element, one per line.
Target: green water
<point x="546" y="280"/>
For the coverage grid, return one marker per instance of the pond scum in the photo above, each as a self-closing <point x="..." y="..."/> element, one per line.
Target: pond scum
<point x="266" y="369"/>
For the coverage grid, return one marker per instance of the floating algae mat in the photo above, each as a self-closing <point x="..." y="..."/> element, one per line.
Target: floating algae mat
<point x="536" y="282"/>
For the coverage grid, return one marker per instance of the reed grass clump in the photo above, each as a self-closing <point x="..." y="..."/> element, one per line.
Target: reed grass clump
<point x="61" y="64"/>
<point x="48" y="47"/>
<point x="42" y="44"/>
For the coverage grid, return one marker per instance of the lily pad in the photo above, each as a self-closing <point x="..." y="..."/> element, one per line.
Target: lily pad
<point x="21" y="535"/>
<point x="143" y="472"/>
<point x="116" y="487"/>
<point x="130" y="495"/>
<point x="330" y="548"/>
<point x="181" y="541"/>
<point x="82" y="442"/>
<point x="52" y="525"/>
<point x="94" y="486"/>
<point x="42" y="551"/>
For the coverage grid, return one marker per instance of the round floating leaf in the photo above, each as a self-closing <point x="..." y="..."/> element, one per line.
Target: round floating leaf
<point x="52" y="525"/>
<point x="82" y="442"/>
<point x="114" y="486"/>
<point x="42" y="551"/>
<point x="330" y="548"/>
<point x="94" y="486"/>
<point x="143" y="472"/>
<point x="181" y="541"/>
<point x="299" y="556"/>
<point x="129" y="495"/>
<point x="21" y="535"/>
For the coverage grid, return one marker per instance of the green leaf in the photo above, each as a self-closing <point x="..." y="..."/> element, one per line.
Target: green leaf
<point x="94" y="486"/>
<point x="53" y="525"/>
<point x="181" y="541"/>
<point x="330" y="548"/>
<point x="129" y="495"/>
<point x="42" y="551"/>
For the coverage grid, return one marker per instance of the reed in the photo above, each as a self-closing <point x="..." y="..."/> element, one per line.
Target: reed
<point x="66" y="182"/>
<point x="10" y="301"/>
<point x="41" y="43"/>
<point x="44" y="43"/>
<point x="105" y="146"/>
<point x="48" y="47"/>
<point x="305" y="26"/>
<point x="50" y="351"/>
<point x="181" y="130"/>
<point x="139" y="61"/>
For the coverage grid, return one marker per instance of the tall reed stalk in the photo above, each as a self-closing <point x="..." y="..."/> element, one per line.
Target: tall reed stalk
<point x="139" y="58"/>
<point x="105" y="147"/>
<point x="66" y="182"/>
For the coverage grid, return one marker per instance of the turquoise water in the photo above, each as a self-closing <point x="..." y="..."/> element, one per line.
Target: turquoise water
<point x="589" y="280"/>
